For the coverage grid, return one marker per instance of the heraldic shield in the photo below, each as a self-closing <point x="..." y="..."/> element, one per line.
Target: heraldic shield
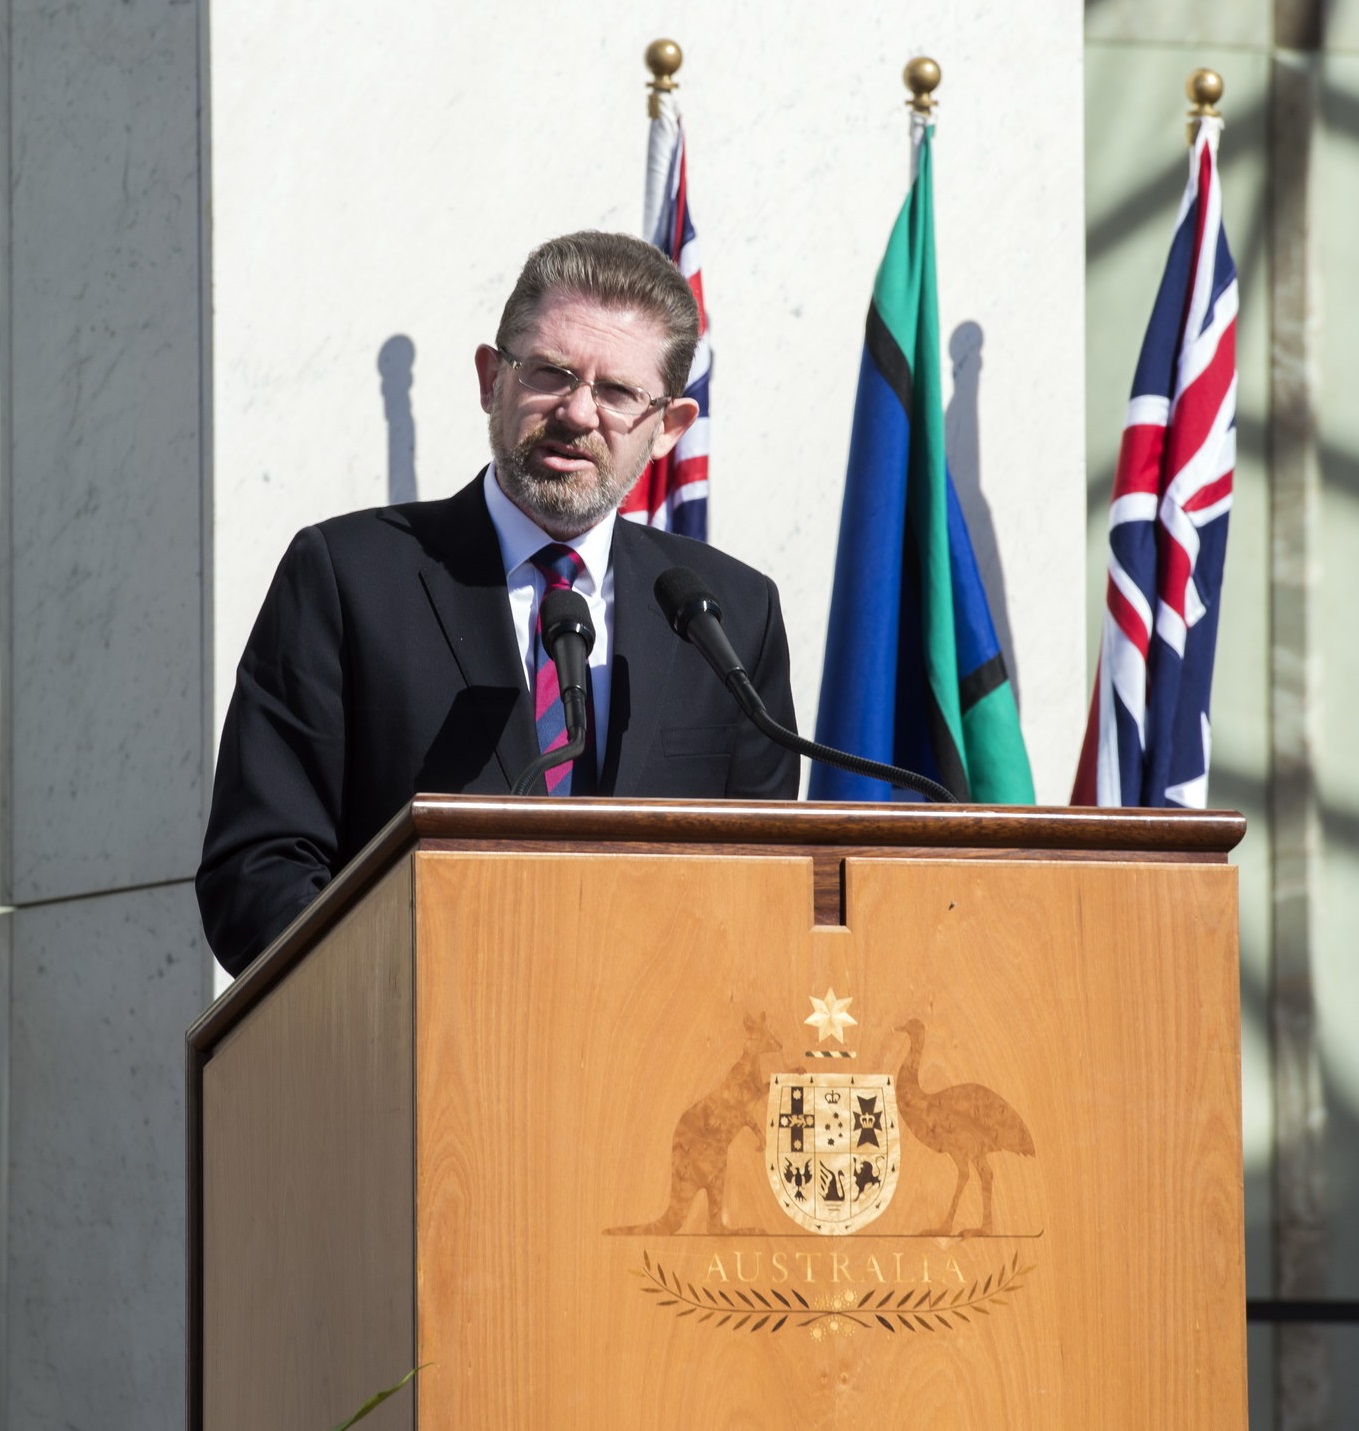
<point x="831" y="1148"/>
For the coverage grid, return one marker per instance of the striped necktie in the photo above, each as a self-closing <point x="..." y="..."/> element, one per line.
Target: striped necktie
<point x="560" y="566"/>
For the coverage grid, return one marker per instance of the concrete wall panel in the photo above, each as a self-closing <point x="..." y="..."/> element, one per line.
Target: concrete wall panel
<point x="106" y="671"/>
<point x="102" y="991"/>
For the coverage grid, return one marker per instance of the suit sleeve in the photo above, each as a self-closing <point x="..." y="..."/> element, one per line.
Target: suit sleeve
<point x="273" y="831"/>
<point x="761" y="770"/>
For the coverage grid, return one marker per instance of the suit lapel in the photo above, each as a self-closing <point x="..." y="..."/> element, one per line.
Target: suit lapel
<point x="644" y="651"/>
<point x="465" y="582"/>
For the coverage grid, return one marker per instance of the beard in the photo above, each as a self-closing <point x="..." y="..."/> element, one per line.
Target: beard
<point x="564" y="504"/>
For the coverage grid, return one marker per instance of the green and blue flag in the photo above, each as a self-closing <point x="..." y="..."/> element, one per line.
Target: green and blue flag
<point x="914" y="675"/>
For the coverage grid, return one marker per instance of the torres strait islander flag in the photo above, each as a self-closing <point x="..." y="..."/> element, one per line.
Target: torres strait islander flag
<point x="914" y="675"/>
<point x="1147" y="739"/>
<point x="673" y="491"/>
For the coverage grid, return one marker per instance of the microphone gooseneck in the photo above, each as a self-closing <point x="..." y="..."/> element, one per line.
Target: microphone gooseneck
<point x="694" y="614"/>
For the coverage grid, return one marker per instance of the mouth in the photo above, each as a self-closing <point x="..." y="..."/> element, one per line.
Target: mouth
<point x="563" y="458"/>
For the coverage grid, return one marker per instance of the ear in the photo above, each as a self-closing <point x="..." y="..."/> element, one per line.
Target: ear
<point x="488" y="369"/>
<point x="678" y="417"/>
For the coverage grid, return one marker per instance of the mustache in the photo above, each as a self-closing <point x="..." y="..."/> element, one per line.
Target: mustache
<point x="590" y="444"/>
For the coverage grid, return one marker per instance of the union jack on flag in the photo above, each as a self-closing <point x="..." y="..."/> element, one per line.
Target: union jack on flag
<point x="673" y="491"/>
<point x="1147" y="740"/>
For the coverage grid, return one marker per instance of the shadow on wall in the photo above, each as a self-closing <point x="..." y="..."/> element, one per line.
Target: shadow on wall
<point x="396" y="363"/>
<point x="962" y="442"/>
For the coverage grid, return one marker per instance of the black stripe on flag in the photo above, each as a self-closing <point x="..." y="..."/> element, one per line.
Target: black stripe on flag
<point x="951" y="772"/>
<point x="981" y="682"/>
<point x="948" y="758"/>
<point x="886" y="353"/>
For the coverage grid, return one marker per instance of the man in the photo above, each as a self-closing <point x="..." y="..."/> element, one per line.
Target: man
<point x="397" y="649"/>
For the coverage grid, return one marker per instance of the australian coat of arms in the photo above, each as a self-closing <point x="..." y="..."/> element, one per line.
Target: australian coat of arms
<point x="831" y="1148"/>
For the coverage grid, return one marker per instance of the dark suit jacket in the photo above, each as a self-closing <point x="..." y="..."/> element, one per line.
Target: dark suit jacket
<point x="384" y="662"/>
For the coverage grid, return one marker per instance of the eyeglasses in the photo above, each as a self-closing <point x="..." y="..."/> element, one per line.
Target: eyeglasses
<point x="551" y="381"/>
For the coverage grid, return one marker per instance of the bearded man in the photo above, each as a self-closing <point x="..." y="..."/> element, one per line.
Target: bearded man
<point x="396" y="651"/>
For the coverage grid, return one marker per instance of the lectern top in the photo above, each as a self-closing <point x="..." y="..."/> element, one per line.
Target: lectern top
<point x="1189" y="833"/>
<point x="448" y="822"/>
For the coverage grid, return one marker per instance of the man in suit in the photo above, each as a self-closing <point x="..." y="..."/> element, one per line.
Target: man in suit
<point x="397" y="648"/>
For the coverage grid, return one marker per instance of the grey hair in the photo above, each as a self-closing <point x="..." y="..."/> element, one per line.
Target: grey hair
<point x="616" y="271"/>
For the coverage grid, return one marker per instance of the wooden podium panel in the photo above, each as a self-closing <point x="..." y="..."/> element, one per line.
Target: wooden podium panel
<point x="1099" y="1003"/>
<point x="307" y="1214"/>
<point x="665" y="1116"/>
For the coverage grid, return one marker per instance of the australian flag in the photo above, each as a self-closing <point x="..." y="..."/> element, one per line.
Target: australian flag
<point x="1147" y="739"/>
<point x="673" y="491"/>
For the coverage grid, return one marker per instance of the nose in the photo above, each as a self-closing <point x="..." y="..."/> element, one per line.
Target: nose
<point x="578" y="408"/>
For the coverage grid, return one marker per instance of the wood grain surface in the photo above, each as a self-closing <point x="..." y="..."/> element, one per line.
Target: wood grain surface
<point x="574" y="1010"/>
<point x="307" y="1221"/>
<point x="660" y="826"/>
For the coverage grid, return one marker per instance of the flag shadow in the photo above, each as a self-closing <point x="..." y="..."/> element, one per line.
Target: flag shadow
<point x="962" y="443"/>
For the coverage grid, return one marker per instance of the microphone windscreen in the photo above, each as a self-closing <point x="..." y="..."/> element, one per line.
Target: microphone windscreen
<point x="563" y="608"/>
<point x="682" y="595"/>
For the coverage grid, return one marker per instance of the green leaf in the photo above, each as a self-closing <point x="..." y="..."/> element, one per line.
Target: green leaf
<point x="374" y="1402"/>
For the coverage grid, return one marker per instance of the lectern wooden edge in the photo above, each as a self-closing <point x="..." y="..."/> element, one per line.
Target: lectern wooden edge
<point x="827" y="835"/>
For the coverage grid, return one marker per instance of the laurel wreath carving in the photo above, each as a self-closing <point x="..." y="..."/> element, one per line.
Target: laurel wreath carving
<point x="770" y="1310"/>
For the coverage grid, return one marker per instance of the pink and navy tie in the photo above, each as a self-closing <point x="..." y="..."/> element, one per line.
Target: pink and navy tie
<point x="560" y="566"/>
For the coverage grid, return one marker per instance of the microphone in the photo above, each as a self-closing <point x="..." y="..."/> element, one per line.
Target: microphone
<point x="568" y="637"/>
<point x="694" y="614"/>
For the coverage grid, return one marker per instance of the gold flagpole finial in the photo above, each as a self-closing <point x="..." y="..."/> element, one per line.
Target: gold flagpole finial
<point x="922" y="76"/>
<point x="663" y="58"/>
<point x="1203" y="89"/>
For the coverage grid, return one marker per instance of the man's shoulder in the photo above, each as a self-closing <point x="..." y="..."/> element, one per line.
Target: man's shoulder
<point x="428" y="527"/>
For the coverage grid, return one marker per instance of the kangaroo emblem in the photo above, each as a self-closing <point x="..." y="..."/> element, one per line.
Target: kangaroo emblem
<point x="704" y="1133"/>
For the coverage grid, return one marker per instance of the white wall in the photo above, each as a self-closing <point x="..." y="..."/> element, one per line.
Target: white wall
<point x="383" y="171"/>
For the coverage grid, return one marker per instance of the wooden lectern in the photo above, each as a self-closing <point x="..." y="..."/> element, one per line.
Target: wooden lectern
<point x="659" y="1115"/>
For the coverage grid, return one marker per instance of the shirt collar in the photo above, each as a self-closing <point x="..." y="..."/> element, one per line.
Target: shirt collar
<point x="520" y="536"/>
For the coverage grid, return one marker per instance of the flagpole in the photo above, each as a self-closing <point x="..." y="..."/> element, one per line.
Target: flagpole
<point x="921" y="76"/>
<point x="1203" y="89"/>
<point x="663" y="59"/>
<point x="673" y="490"/>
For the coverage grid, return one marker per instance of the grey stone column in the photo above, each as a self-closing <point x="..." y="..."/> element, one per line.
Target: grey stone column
<point x="104" y="699"/>
<point x="1302" y="1374"/>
